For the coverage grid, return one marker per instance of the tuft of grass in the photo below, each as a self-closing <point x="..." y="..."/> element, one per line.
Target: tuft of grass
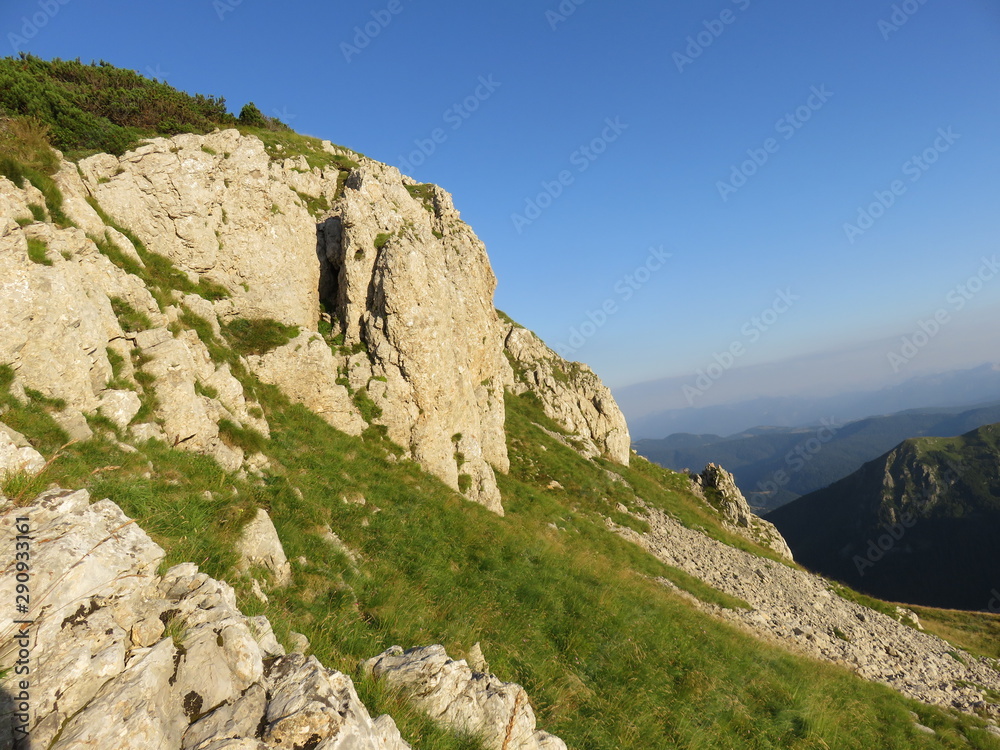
<point x="381" y="240"/>
<point x="425" y="194"/>
<point x="38" y="252"/>
<point x="205" y="390"/>
<point x="370" y="411"/>
<point x="246" y="438"/>
<point x="315" y="206"/>
<point x="37" y="212"/>
<point x="258" y="335"/>
<point x="21" y="174"/>
<point x="129" y="318"/>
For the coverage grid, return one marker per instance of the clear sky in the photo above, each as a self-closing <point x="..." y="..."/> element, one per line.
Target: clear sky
<point x="645" y="110"/>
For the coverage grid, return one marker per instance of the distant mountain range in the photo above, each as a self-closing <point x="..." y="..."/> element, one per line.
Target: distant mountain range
<point x="960" y="388"/>
<point x="775" y="465"/>
<point x="920" y="524"/>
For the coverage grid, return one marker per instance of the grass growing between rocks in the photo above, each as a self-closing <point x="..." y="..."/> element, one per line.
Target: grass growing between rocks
<point x="610" y="658"/>
<point x="157" y="272"/>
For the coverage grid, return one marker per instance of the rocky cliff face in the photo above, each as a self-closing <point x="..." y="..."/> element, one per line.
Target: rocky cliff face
<point x="570" y="393"/>
<point x="407" y="280"/>
<point x="390" y="294"/>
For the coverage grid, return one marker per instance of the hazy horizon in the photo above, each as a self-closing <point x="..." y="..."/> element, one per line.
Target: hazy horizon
<point x="822" y="373"/>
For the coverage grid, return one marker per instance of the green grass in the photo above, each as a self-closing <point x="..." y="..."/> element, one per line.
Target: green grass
<point x="236" y="436"/>
<point x="258" y="335"/>
<point x="976" y="632"/>
<point x="38" y="252"/>
<point x="129" y="318"/>
<point x="381" y="240"/>
<point x="21" y="174"/>
<point x="315" y="206"/>
<point x="370" y="411"/>
<point x="425" y="194"/>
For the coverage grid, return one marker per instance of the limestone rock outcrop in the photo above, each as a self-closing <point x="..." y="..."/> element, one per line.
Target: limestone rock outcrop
<point x="16" y="454"/>
<point x="468" y="702"/>
<point x="259" y="545"/>
<point x="170" y="658"/>
<point x="55" y="324"/>
<point x="60" y="332"/>
<point x="570" y="393"/>
<point x="408" y="281"/>
<point x="718" y="488"/>
<point x="179" y="365"/>
<point x="411" y="343"/>
<point x="210" y="204"/>
<point x="306" y="370"/>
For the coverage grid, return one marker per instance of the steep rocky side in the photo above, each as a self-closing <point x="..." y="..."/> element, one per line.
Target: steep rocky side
<point x="62" y="303"/>
<point x="175" y="663"/>
<point x="717" y="487"/>
<point x="406" y="340"/>
<point x="409" y="283"/>
<point x="571" y="394"/>
<point x="217" y="207"/>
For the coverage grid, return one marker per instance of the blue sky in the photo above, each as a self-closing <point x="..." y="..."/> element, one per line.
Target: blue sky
<point x="554" y="80"/>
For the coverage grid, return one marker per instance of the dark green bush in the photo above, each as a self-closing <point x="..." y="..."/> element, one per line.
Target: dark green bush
<point x="252" y="117"/>
<point x="99" y="107"/>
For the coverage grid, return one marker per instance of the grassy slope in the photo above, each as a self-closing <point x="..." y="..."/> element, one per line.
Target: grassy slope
<point x="611" y="659"/>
